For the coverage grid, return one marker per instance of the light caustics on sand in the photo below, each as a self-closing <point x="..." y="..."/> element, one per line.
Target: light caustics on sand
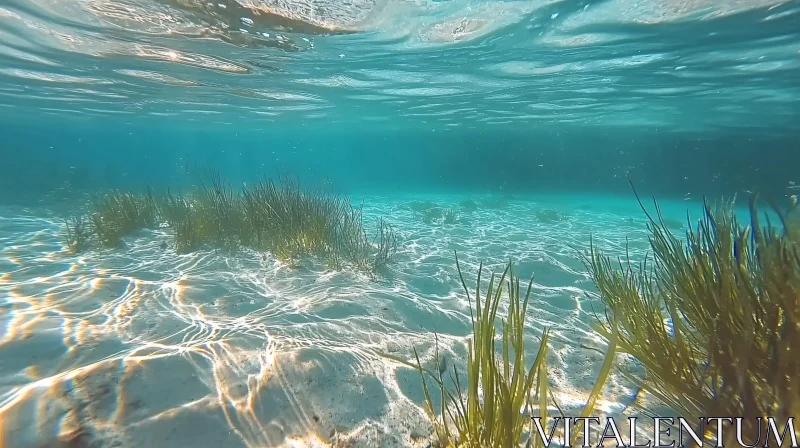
<point x="138" y="345"/>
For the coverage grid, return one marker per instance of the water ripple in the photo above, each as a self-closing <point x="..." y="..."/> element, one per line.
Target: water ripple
<point x="380" y="57"/>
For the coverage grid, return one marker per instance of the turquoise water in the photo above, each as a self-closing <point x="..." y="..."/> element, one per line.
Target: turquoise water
<point x="540" y="114"/>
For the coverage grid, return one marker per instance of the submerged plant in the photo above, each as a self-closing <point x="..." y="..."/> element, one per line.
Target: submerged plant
<point x="78" y="233"/>
<point x="280" y="218"/>
<point x="222" y="215"/>
<point x="732" y="294"/>
<point x="494" y="408"/>
<point x="450" y="216"/>
<point x="118" y="214"/>
<point x="291" y="223"/>
<point x="187" y="237"/>
<point x="386" y="243"/>
<point x="174" y="209"/>
<point x="432" y="215"/>
<point x="109" y="232"/>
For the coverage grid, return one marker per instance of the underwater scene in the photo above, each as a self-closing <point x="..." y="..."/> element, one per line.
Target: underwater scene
<point x="397" y="223"/>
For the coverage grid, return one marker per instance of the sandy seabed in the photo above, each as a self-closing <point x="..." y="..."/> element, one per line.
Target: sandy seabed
<point x="140" y="347"/>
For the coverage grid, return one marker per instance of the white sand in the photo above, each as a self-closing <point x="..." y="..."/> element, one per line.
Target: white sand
<point x="143" y="348"/>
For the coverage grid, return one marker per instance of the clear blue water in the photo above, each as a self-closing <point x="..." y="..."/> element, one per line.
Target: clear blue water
<point x="540" y="112"/>
<point x="694" y="96"/>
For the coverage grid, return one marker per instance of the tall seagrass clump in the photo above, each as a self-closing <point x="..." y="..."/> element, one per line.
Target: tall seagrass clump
<point x="493" y="408"/>
<point x="732" y="293"/>
<point x="276" y="217"/>
<point x="118" y="214"/>
<point x="77" y="233"/>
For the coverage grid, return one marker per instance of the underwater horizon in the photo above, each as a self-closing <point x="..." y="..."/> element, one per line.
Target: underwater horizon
<point x="221" y="221"/>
